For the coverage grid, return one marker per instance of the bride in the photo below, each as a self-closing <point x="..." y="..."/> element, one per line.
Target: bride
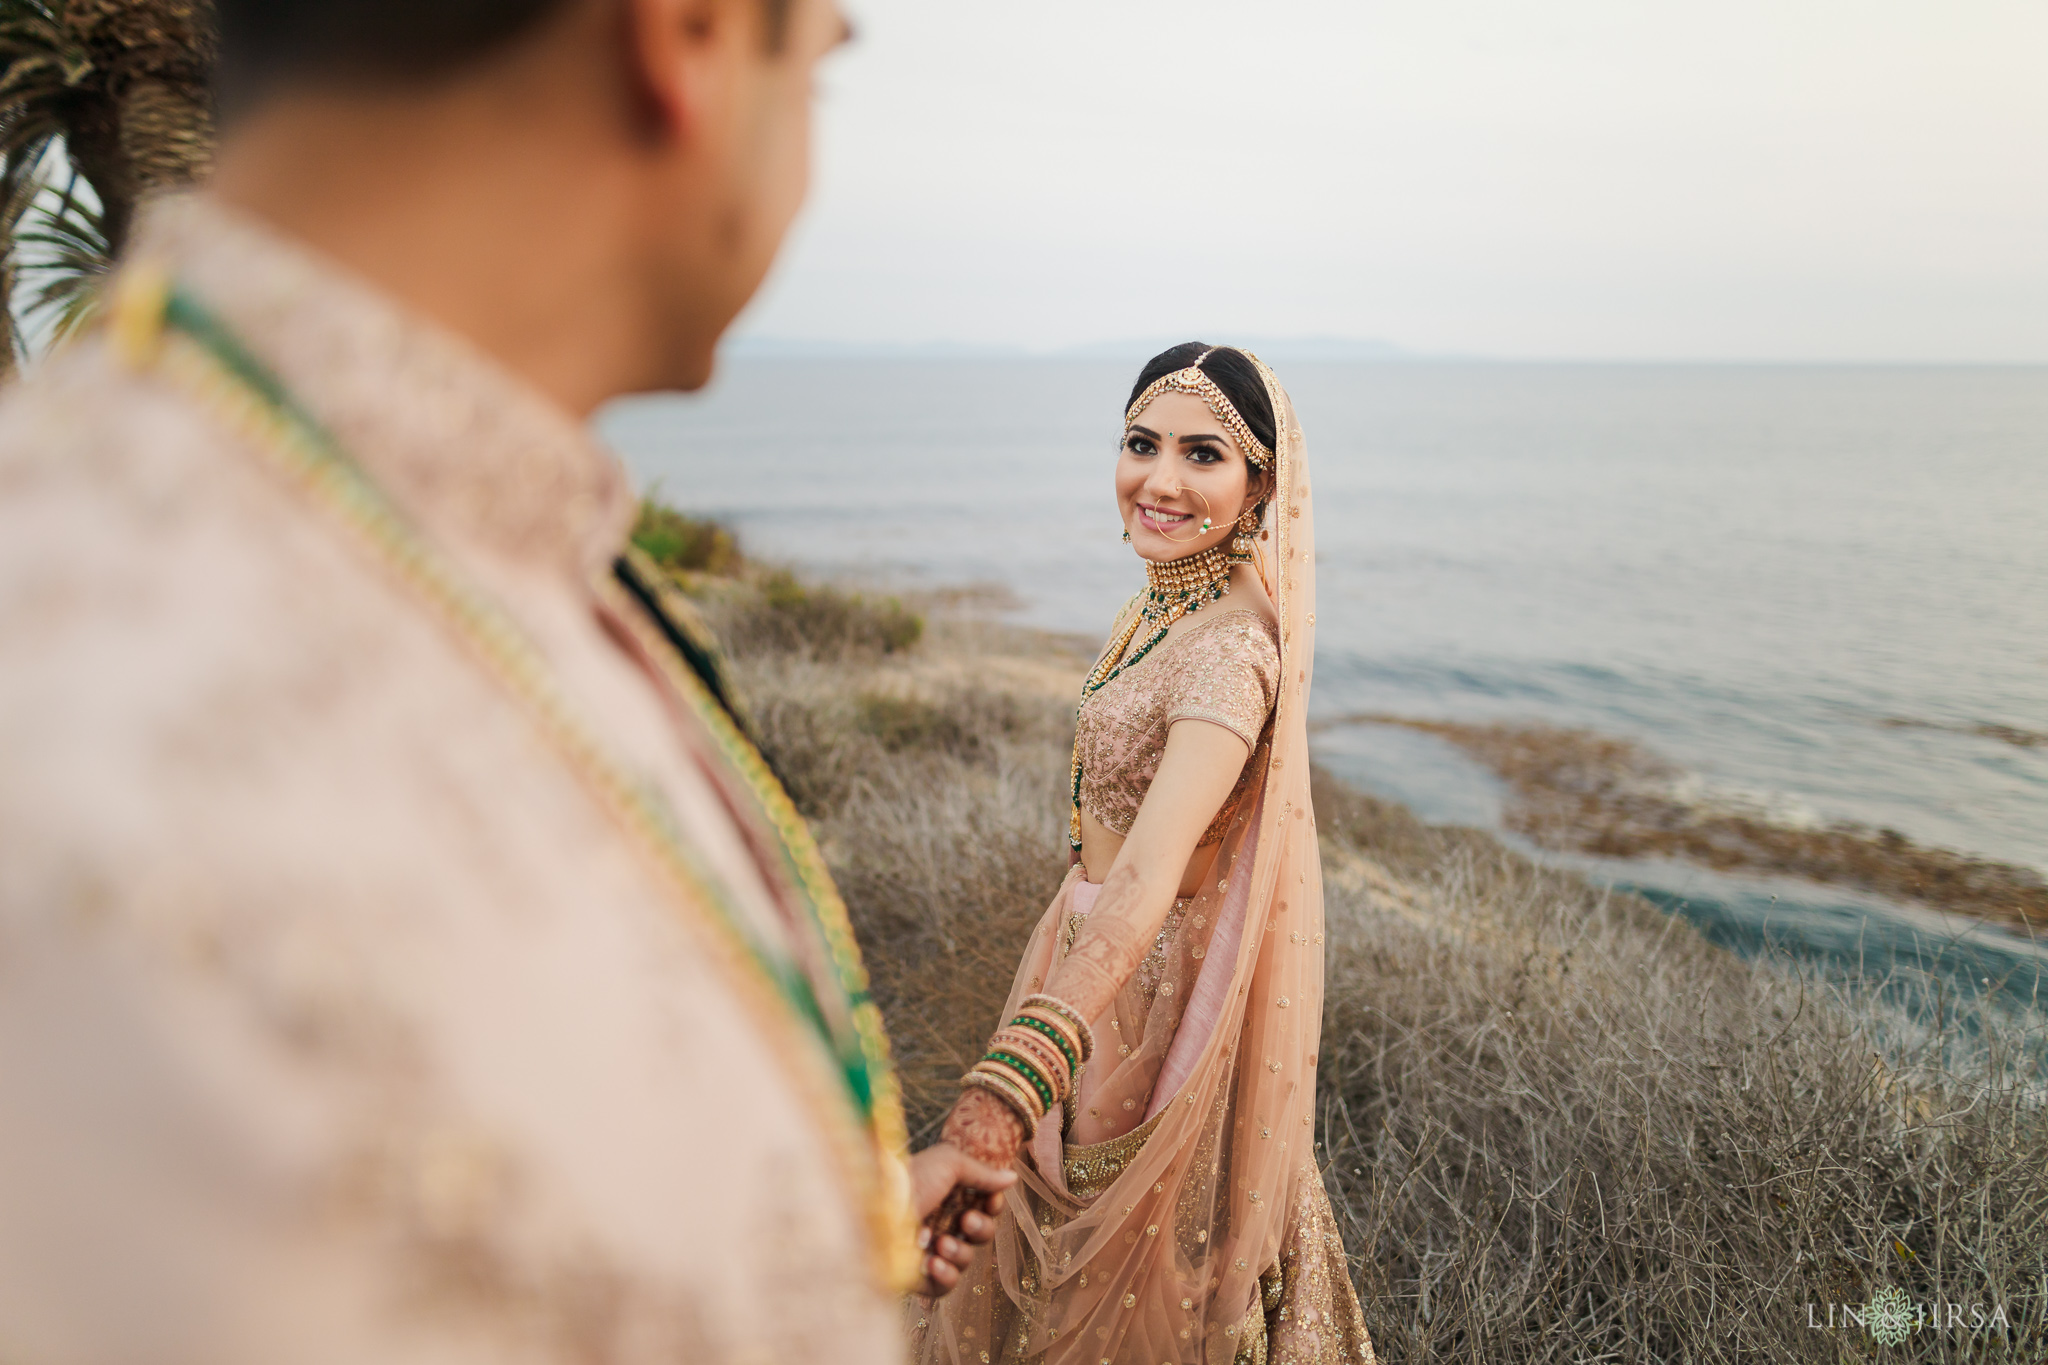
<point x="1154" y="1076"/>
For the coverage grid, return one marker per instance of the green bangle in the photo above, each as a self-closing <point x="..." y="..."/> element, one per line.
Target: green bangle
<point x="1052" y="1004"/>
<point x="1013" y="1083"/>
<point x="1060" y="1039"/>
<point x="1029" y="1072"/>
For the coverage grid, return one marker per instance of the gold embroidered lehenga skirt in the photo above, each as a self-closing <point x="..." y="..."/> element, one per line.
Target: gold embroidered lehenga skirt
<point x="1008" y="1310"/>
<point x="1307" y="1312"/>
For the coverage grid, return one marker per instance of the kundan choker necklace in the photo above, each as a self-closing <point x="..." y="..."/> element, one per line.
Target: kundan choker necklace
<point x="1178" y="577"/>
<point x="1178" y="586"/>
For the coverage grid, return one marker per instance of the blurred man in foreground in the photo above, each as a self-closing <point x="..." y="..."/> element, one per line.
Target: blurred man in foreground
<point x="404" y="954"/>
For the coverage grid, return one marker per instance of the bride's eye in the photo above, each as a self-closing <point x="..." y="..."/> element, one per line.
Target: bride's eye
<point x="1138" y="445"/>
<point x="1205" y="455"/>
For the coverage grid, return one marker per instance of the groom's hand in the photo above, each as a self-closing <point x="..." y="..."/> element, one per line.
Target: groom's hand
<point x="941" y="1170"/>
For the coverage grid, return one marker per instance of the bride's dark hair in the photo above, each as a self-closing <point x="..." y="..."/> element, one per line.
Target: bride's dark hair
<point x="1233" y="373"/>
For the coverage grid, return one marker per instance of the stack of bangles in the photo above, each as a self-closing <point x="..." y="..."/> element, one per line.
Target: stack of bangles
<point x="1035" y="1059"/>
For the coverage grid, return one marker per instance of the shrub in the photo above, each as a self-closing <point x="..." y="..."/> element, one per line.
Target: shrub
<point x="677" y="541"/>
<point x="966" y="722"/>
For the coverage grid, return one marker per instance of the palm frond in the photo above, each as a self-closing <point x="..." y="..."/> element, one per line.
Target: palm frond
<point x="22" y="180"/>
<point x="52" y="254"/>
<point x="67" y="257"/>
<point x="70" y="73"/>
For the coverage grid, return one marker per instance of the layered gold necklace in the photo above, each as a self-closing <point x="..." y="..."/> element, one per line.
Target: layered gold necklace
<point x="1177" y="587"/>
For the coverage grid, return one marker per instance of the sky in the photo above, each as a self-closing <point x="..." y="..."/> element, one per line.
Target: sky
<point x="1802" y="180"/>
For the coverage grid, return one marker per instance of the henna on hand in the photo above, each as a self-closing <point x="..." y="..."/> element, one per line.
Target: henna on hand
<point x="985" y="1128"/>
<point x="988" y="1130"/>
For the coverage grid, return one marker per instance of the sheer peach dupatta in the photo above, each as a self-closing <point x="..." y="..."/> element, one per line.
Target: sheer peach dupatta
<point x="1183" y="1238"/>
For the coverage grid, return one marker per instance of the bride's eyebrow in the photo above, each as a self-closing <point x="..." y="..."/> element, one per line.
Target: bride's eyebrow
<point x="1191" y="439"/>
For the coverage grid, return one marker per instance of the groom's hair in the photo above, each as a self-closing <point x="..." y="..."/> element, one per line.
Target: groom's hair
<point x="268" y="46"/>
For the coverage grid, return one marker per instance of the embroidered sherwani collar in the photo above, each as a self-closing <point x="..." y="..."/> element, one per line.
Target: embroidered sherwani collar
<point x="472" y="452"/>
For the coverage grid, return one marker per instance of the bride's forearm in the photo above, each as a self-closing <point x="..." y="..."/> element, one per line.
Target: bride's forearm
<point x="1113" y="939"/>
<point x="1201" y="763"/>
<point x="1195" y="774"/>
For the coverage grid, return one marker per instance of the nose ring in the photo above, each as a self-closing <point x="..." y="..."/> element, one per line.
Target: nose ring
<point x="1206" y="526"/>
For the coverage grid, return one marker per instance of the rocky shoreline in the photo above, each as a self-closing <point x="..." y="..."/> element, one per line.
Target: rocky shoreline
<point x="1577" y="791"/>
<point x="1983" y="729"/>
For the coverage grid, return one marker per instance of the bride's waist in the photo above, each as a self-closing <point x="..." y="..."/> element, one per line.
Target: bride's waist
<point x="1100" y="846"/>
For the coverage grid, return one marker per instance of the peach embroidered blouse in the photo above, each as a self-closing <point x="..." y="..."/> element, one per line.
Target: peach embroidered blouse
<point x="1223" y="669"/>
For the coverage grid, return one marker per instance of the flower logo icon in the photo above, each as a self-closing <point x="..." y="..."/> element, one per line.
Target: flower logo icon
<point x="1890" y="1316"/>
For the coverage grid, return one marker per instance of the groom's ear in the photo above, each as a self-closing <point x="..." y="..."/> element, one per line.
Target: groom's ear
<point x="679" y="51"/>
<point x="678" y="58"/>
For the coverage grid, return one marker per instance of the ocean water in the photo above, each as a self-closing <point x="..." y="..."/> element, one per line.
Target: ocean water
<point x="1748" y="569"/>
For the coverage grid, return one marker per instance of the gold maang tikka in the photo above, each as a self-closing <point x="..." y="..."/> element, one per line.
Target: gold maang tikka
<point x="1194" y="380"/>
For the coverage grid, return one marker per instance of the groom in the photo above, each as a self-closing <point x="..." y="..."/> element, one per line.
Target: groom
<point x="403" y="956"/>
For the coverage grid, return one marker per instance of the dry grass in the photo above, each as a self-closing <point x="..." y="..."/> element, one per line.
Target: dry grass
<point x="1560" y="1126"/>
<point x="934" y="783"/>
<point x="1563" y="1127"/>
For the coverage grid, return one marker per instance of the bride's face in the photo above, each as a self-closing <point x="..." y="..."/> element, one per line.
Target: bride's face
<point x="1178" y="465"/>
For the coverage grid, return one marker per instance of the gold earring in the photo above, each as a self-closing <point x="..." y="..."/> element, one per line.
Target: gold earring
<point x="1247" y="529"/>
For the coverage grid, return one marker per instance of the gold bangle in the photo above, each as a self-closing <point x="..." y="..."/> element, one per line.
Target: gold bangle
<point x="1009" y="1093"/>
<point x="1026" y="1070"/>
<point x="1070" y="1015"/>
<point x="1046" y="1059"/>
<point x="1055" y="1029"/>
<point x="1010" y="1076"/>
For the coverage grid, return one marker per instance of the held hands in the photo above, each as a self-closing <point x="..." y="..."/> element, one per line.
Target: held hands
<point x="986" y="1135"/>
<point x="1031" y="1064"/>
<point x="945" y="1176"/>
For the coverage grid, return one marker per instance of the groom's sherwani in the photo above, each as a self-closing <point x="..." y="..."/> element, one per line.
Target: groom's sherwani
<point x="338" y="1020"/>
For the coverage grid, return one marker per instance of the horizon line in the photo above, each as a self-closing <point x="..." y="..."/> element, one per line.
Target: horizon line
<point x="1295" y="350"/>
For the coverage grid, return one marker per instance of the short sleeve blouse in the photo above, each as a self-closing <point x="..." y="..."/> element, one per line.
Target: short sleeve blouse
<point x="1224" y="670"/>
